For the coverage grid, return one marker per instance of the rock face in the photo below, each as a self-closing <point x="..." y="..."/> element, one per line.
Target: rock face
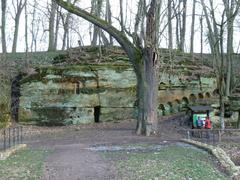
<point x="87" y="93"/>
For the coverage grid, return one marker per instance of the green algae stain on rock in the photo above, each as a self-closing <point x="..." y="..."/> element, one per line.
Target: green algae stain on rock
<point x="62" y="95"/>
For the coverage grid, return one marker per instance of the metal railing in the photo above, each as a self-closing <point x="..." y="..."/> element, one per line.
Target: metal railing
<point x="10" y="137"/>
<point x="210" y="136"/>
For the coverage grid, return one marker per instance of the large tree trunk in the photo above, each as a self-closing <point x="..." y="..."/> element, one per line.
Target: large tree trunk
<point x="147" y="93"/>
<point x="96" y="10"/>
<point x="201" y="36"/>
<point x="57" y="29"/>
<point x="108" y="18"/>
<point x="15" y="37"/>
<point x="192" y="29"/>
<point x="3" y="28"/>
<point x="229" y="56"/>
<point x="221" y="78"/>
<point x="183" y="26"/>
<point x="148" y="77"/>
<point x="170" y="39"/>
<point x="65" y="30"/>
<point x="177" y="13"/>
<point x="180" y="15"/>
<point x="52" y="26"/>
<point x="121" y="15"/>
<point x="26" y="38"/>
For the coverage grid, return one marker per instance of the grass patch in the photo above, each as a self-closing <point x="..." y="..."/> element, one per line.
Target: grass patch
<point x="169" y="163"/>
<point x="25" y="164"/>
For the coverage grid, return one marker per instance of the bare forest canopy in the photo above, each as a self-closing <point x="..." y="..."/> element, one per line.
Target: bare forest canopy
<point x="31" y="25"/>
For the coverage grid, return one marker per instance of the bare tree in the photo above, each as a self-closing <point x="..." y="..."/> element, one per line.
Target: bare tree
<point x="3" y="28"/>
<point x="215" y="38"/>
<point x="139" y="20"/>
<point x="170" y="39"/>
<point x="192" y="28"/>
<point x="221" y="74"/>
<point x="26" y="37"/>
<point x="108" y="18"/>
<point x="56" y="29"/>
<point x="231" y="7"/>
<point x="121" y="15"/>
<point x="201" y="35"/>
<point x="183" y="26"/>
<point x="18" y="7"/>
<point x="65" y="21"/>
<point x="180" y="12"/>
<point x="51" y="35"/>
<point x="143" y="58"/>
<point x="96" y="10"/>
<point x="213" y="34"/>
<point x="35" y="27"/>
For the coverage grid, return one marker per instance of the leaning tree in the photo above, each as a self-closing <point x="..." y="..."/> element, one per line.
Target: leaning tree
<point x="142" y="53"/>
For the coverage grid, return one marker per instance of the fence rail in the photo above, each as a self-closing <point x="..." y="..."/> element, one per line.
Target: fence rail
<point x="11" y="137"/>
<point x="211" y="136"/>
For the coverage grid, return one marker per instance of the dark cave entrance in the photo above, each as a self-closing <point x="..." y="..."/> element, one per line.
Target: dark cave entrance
<point x="97" y="111"/>
<point x="15" y="95"/>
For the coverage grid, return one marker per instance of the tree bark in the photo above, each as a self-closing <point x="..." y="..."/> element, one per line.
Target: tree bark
<point x="108" y="18"/>
<point x="139" y="38"/>
<point x="56" y="29"/>
<point x="221" y="81"/>
<point x="177" y="13"/>
<point x="20" y="5"/>
<point x="180" y="15"/>
<point x="148" y="77"/>
<point x="147" y="93"/>
<point x="96" y="10"/>
<point x="34" y="28"/>
<point x="144" y="61"/>
<point x="65" y="22"/>
<point x="231" y="8"/>
<point x="183" y="26"/>
<point x="121" y="15"/>
<point x="213" y="37"/>
<point x="201" y="35"/>
<point x="170" y="39"/>
<point x="3" y="29"/>
<point x="51" y="27"/>
<point x="26" y="38"/>
<point x="192" y="28"/>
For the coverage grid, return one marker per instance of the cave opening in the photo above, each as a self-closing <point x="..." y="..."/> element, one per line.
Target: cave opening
<point x="97" y="111"/>
<point x="15" y="95"/>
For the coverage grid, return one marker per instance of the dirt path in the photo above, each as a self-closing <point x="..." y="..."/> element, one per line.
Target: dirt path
<point x="73" y="160"/>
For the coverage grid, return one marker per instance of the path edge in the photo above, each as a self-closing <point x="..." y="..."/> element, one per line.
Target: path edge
<point x="220" y="154"/>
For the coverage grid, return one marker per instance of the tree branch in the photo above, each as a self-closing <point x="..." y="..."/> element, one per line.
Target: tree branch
<point x="128" y="46"/>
